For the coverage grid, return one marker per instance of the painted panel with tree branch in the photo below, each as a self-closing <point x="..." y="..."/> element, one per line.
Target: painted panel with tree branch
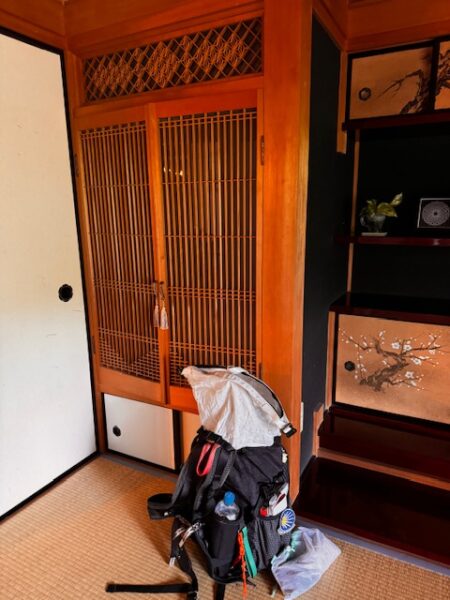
<point x="390" y="83"/>
<point x="443" y="76"/>
<point x="394" y="366"/>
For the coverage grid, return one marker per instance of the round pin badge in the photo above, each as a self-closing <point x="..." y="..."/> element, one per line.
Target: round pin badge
<point x="287" y="521"/>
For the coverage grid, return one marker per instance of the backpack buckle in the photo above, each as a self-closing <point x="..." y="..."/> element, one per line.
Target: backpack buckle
<point x="189" y="531"/>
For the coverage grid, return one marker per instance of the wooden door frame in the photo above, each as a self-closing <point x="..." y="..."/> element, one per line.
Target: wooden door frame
<point x="287" y="74"/>
<point x="107" y="380"/>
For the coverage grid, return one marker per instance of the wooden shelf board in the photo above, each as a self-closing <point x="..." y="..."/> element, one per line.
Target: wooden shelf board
<point x="418" y="447"/>
<point x="390" y="240"/>
<point x="400" y="308"/>
<point x="387" y="509"/>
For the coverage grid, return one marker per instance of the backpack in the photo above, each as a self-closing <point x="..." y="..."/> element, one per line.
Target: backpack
<point x="258" y="476"/>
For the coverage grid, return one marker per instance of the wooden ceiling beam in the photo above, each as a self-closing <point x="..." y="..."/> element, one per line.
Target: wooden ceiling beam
<point x="382" y="23"/>
<point x="42" y="21"/>
<point x="121" y="29"/>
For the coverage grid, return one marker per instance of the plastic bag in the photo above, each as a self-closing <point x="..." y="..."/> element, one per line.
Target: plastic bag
<point x="300" y="565"/>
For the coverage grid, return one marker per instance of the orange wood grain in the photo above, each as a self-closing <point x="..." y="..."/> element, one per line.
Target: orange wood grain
<point x="89" y="26"/>
<point x="385" y="23"/>
<point x="234" y="85"/>
<point x="210" y="103"/>
<point x="287" y="51"/>
<point x="157" y="210"/>
<point x="128" y="386"/>
<point x="182" y="399"/>
<point x="42" y="21"/>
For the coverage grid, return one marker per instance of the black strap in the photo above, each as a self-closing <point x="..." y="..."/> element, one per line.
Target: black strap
<point x="184" y="562"/>
<point x="169" y="588"/>
<point x="219" y="593"/>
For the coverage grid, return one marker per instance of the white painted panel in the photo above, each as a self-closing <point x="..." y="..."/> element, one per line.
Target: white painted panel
<point x="190" y="424"/>
<point x="46" y="412"/>
<point x="146" y="431"/>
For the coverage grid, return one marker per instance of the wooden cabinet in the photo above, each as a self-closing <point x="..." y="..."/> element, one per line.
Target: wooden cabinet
<point x="230" y="262"/>
<point x="172" y="215"/>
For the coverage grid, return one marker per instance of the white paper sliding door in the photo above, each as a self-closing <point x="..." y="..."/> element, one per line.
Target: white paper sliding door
<point x="46" y="410"/>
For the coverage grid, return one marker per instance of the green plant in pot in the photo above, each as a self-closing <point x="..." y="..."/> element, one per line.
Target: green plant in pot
<point x="374" y="214"/>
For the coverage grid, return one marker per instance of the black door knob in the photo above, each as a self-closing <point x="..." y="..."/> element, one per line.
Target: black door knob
<point x="65" y="292"/>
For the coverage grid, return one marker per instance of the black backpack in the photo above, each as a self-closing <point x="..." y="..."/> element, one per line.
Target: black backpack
<point x="234" y="550"/>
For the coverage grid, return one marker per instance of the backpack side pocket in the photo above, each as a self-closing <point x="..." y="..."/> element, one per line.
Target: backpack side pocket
<point x="264" y="539"/>
<point x="221" y="535"/>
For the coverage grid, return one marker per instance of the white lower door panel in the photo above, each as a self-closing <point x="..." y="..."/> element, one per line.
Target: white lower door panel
<point x="140" y="430"/>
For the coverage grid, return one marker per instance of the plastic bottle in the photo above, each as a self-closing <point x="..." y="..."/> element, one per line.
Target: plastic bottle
<point x="227" y="508"/>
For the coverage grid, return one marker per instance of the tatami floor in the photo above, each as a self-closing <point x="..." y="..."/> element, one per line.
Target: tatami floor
<point x="93" y="528"/>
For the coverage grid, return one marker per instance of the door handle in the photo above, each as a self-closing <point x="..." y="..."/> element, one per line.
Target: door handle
<point x="65" y="292"/>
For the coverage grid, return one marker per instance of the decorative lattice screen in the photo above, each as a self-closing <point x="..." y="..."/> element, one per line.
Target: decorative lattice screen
<point x="116" y="188"/>
<point x="226" y="51"/>
<point x="209" y="196"/>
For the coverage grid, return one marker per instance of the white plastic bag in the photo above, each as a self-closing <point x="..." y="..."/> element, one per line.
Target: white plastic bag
<point x="300" y="565"/>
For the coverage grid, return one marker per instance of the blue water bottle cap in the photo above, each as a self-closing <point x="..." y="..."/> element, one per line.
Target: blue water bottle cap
<point x="229" y="498"/>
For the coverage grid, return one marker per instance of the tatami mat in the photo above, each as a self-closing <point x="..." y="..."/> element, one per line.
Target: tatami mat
<point x="93" y="528"/>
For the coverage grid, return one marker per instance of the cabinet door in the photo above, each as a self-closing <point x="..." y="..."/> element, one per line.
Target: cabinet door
<point x="118" y="210"/>
<point x="207" y="167"/>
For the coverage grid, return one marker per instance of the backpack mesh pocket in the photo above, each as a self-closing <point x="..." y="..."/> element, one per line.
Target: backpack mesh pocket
<point x="265" y="539"/>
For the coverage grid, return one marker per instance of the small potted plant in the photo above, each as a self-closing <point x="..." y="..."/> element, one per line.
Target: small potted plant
<point x="374" y="213"/>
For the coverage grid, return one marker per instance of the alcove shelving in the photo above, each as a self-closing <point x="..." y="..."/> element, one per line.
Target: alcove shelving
<point x="432" y="242"/>
<point x="378" y="474"/>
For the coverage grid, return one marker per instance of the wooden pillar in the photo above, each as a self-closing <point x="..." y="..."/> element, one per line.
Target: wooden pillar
<point x="287" y="58"/>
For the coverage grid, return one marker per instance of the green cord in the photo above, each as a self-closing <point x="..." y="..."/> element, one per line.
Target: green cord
<point x="249" y="555"/>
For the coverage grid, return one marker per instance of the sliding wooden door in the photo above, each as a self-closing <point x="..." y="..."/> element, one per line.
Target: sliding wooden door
<point x="173" y="218"/>
<point x="205" y="180"/>
<point x="123" y="277"/>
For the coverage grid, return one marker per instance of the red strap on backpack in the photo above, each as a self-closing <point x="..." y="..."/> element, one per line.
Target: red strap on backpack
<point x="206" y="458"/>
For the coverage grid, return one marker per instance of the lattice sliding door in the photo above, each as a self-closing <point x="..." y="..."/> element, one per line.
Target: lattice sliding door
<point x="209" y="204"/>
<point x="116" y="189"/>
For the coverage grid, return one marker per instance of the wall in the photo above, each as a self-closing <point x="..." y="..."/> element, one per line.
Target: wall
<point x="328" y="195"/>
<point x="412" y="160"/>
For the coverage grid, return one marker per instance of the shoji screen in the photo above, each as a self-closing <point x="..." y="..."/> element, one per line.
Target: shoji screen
<point x="116" y="189"/>
<point x="209" y="205"/>
<point x="46" y="412"/>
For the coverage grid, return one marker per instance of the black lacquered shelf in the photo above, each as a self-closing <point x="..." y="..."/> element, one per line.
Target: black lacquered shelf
<point x="430" y="118"/>
<point x="422" y="310"/>
<point x="389" y="510"/>
<point x="390" y="240"/>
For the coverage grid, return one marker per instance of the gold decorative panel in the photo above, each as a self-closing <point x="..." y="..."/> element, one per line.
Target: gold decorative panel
<point x="394" y="366"/>
<point x="225" y="51"/>
<point x="116" y="190"/>
<point x="209" y="197"/>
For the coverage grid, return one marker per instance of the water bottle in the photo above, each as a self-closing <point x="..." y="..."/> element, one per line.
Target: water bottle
<point x="227" y="508"/>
